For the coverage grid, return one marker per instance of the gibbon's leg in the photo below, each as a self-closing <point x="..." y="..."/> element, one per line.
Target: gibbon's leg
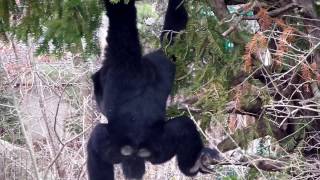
<point x="99" y="169"/>
<point x="101" y="154"/>
<point x="180" y="137"/>
<point x="133" y="167"/>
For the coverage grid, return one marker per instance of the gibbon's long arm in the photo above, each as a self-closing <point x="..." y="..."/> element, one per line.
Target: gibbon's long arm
<point x="123" y="42"/>
<point x="175" y="20"/>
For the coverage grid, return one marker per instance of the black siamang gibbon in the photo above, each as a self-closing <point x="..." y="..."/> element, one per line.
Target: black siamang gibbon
<point x="131" y="90"/>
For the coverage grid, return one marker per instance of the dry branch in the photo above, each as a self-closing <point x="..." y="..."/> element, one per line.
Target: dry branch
<point x="265" y="164"/>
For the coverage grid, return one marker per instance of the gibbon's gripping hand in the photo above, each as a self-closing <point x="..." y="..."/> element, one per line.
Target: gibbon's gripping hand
<point x="121" y="9"/>
<point x="118" y="3"/>
<point x="207" y="158"/>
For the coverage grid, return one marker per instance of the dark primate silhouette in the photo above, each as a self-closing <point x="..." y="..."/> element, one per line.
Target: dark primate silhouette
<point x="131" y="90"/>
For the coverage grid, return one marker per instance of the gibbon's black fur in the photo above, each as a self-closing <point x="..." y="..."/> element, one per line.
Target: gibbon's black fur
<point x="131" y="91"/>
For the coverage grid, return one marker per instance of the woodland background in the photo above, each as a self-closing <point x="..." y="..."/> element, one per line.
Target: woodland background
<point x="247" y="74"/>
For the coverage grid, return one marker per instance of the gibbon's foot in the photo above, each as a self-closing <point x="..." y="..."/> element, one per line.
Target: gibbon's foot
<point x="207" y="158"/>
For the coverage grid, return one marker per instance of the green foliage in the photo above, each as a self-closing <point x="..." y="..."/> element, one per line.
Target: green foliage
<point x="230" y="178"/>
<point x="56" y="25"/>
<point x="10" y="129"/>
<point x="205" y="49"/>
<point x="7" y="7"/>
<point x="317" y="3"/>
<point x="74" y="127"/>
<point x="9" y="123"/>
<point x="253" y="174"/>
<point x="145" y="10"/>
<point x="173" y="111"/>
<point x="205" y="61"/>
<point x="262" y="149"/>
<point x="148" y="32"/>
<point x="290" y="142"/>
<point x="230" y="174"/>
